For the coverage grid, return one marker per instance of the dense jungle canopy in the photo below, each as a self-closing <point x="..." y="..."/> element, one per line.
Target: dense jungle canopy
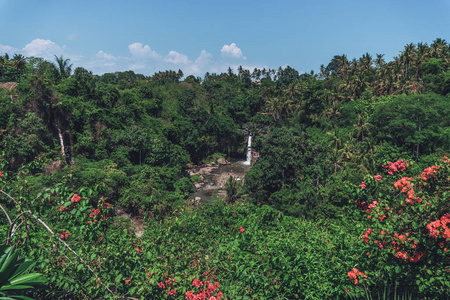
<point x="126" y="139"/>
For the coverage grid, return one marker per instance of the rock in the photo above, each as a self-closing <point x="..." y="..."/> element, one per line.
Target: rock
<point x="222" y="161"/>
<point x="197" y="199"/>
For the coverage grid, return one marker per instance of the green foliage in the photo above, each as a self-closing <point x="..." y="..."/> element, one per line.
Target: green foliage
<point x="15" y="276"/>
<point x="122" y="141"/>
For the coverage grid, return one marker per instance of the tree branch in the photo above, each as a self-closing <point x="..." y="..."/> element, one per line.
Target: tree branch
<point x="67" y="246"/>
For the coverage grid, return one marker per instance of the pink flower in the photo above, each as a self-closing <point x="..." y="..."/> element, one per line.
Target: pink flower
<point x="363" y="185"/>
<point x="75" y="198"/>
<point x="138" y="250"/>
<point x="241" y="229"/>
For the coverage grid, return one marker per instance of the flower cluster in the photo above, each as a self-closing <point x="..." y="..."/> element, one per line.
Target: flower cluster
<point x="407" y="188"/>
<point x="64" y="235"/>
<point x="377" y="177"/>
<point x="204" y="294"/>
<point x="68" y="208"/>
<point x="138" y="249"/>
<point x="440" y="223"/>
<point x="363" y="185"/>
<point x="365" y="236"/>
<point x="75" y="198"/>
<point x="404" y="255"/>
<point x="399" y="165"/>
<point x="352" y="275"/>
<point x="429" y="172"/>
<point x="98" y="212"/>
<point x="167" y="284"/>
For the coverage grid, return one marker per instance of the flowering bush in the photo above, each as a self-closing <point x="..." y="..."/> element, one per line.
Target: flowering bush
<point x="406" y="219"/>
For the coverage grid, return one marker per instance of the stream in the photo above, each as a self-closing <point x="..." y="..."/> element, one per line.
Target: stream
<point x="215" y="177"/>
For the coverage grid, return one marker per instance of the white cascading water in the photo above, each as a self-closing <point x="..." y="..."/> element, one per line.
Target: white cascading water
<point x="249" y="151"/>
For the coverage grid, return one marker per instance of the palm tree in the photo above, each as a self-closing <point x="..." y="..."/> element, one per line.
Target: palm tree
<point x="233" y="188"/>
<point x="421" y="53"/>
<point x="63" y="67"/>
<point x="2" y="66"/>
<point x="279" y="107"/>
<point x="18" y="62"/>
<point x="361" y="126"/>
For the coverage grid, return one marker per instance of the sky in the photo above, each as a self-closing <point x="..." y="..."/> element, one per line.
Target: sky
<point x="199" y="36"/>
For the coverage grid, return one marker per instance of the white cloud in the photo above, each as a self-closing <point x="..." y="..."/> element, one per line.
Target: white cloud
<point x="140" y="58"/>
<point x="103" y="55"/>
<point x="72" y="37"/>
<point x="204" y="58"/>
<point x="139" y="51"/>
<point x="6" y="49"/>
<point x="42" y="48"/>
<point x="232" y="51"/>
<point x="176" y="58"/>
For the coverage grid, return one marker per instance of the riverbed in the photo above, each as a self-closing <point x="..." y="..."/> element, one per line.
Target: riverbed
<point x="214" y="178"/>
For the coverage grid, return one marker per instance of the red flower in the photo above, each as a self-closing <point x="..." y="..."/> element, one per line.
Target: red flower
<point x="105" y="205"/>
<point x="127" y="281"/>
<point x="377" y="177"/>
<point x="171" y="293"/>
<point x="352" y="275"/>
<point x="161" y="285"/>
<point x="64" y="235"/>
<point x="75" y="198"/>
<point x="241" y="229"/>
<point x="1" y="174"/>
<point x="138" y="250"/>
<point x="363" y="185"/>
<point x="197" y="283"/>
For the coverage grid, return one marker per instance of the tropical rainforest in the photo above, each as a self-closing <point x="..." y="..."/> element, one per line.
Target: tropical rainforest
<point x="348" y="199"/>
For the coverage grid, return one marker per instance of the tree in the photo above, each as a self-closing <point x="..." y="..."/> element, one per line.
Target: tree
<point x="233" y="188"/>
<point x="63" y="67"/>
<point x="19" y="63"/>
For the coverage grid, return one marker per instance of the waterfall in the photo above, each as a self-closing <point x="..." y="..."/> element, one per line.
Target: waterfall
<point x="249" y="151"/>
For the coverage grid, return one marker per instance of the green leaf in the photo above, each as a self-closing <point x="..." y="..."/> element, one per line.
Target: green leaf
<point x="32" y="278"/>
<point x="15" y="287"/>
<point x="118" y="277"/>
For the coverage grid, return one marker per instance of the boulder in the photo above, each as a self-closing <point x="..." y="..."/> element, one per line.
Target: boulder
<point x="222" y="161"/>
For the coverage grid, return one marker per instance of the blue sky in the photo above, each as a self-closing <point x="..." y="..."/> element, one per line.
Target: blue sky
<point x="200" y="36"/>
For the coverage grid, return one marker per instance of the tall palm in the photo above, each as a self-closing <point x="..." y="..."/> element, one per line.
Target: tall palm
<point x="63" y="67"/>
<point x="279" y="107"/>
<point x="233" y="188"/>
<point x="2" y="66"/>
<point x="18" y="62"/>
<point x="420" y="55"/>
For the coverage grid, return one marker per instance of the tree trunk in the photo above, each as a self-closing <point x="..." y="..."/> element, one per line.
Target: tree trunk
<point x="61" y="141"/>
